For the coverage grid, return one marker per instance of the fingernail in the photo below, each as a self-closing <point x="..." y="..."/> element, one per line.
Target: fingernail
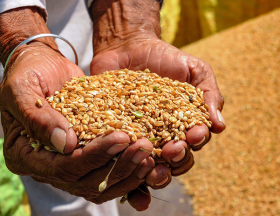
<point x="143" y="171"/>
<point x="199" y="143"/>
<point x="140" y="155"/>
<point x="179" y="157"/>
<point x="162" y="182"/>
<point x="116" y="148"/>
<point x="220" y="117"/>
<point x="58" y="139"/>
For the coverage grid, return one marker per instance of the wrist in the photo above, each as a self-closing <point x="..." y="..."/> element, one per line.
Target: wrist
<point x="118" y="22"/>
<point x="19" y="24"/>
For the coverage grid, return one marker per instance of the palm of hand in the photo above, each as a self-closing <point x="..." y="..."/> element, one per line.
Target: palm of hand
<point x="36" y="73"/>
<point x="167" y="61"/>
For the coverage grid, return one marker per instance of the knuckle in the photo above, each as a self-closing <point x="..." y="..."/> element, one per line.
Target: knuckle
<point x="193" y="62"/>
<point x="121" y="173"/>
<point x="207" y="66"/>
<point x="12" y="168"/>
<point x="96" y="161"/>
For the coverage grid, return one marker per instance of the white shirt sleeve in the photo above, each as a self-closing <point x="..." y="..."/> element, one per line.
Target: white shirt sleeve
<point x="8" y="4"/>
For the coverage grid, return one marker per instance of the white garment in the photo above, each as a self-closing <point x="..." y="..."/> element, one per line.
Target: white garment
<point x="67" y="18"/>
<point x="70" y="19"/>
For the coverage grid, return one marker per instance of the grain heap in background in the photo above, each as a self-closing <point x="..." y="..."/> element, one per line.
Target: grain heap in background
<point x="238" y="171"/>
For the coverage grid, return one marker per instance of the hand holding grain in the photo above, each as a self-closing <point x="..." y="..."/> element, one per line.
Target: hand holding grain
<point x="168" y="61"/>
<point x="36" y="73"/>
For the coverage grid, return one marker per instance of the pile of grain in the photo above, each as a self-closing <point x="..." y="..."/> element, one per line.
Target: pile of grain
<point x="139" y="103"/>
<point x="237" y="173"/>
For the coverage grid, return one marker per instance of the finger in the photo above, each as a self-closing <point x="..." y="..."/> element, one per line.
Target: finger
<point x="139" y="198"/>
<point x="94" y="155"/>
<point x="202" y="77"/>
<point x="25" y="84"/>
<point x="160" y="177"/>
<point x="12" y="129"/>
<point x="125" y="176"/>
<point x="178" y="155"/>
<point x="41" y="122"/>
<point x="50" y="127"/>
<point x="215" y="102"/>
<point x="128" y="184"/>
<point x="130" y="159"/>
<point x="198" y="136"/>
<point x="62" y="168"/>
<point x="126" y="164"/>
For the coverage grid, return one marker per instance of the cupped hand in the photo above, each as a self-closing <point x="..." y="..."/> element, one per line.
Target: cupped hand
<point x="37" y="72"/>
<point x="168" y="61"/>
<point x="80" y="172"/>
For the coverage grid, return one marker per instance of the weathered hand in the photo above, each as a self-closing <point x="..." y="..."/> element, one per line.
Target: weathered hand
<point x="168" y="61"/>
<point x="36" y="73"/>
<point x="81" y="171"/>
<point x="126" y="35"/>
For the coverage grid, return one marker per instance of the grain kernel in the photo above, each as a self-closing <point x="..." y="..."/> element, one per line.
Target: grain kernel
<point x="110" y="130"/>
<point x="159" y="123"/>
<point x="39" y="103"/>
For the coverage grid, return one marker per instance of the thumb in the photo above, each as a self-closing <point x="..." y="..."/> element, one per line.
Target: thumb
<point x="40" y="122"/>
<point x="215" y="102"/>
<point x="49" y="126"/>
<point x="107" y="61"/>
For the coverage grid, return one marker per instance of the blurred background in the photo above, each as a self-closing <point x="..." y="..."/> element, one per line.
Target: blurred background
<point x="238" y="172"/>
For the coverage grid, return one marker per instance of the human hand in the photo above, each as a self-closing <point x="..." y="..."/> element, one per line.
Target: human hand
<point x="132" y="41"/>
<point x="36" y="71"/>
<point x="81" y="171"/>
<point x="168" y="61"/>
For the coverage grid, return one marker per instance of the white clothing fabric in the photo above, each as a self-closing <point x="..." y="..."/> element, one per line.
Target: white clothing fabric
<point x="47" y="200"/>
<point x="70" y="20"/>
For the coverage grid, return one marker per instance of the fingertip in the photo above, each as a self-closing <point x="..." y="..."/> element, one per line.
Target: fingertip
<point x="71" y="141"/>
<point x="64" y="142"/>
<point x="117" y="137"/>
<point x="160" y="177"/>
<point x="58" y="139"/>
<point x="139" y="198"/>
<point x="173" y="150"/>
<point x="144" y="144"/>
<point x="184" y="166"/>
<point x="221" y="119"/>
<point x="197" y="135"/>
<point x="218" y="122"/>
<point x="215" y="101"/>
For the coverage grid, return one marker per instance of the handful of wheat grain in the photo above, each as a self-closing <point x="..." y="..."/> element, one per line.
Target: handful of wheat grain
<point x="139" y="103"/>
